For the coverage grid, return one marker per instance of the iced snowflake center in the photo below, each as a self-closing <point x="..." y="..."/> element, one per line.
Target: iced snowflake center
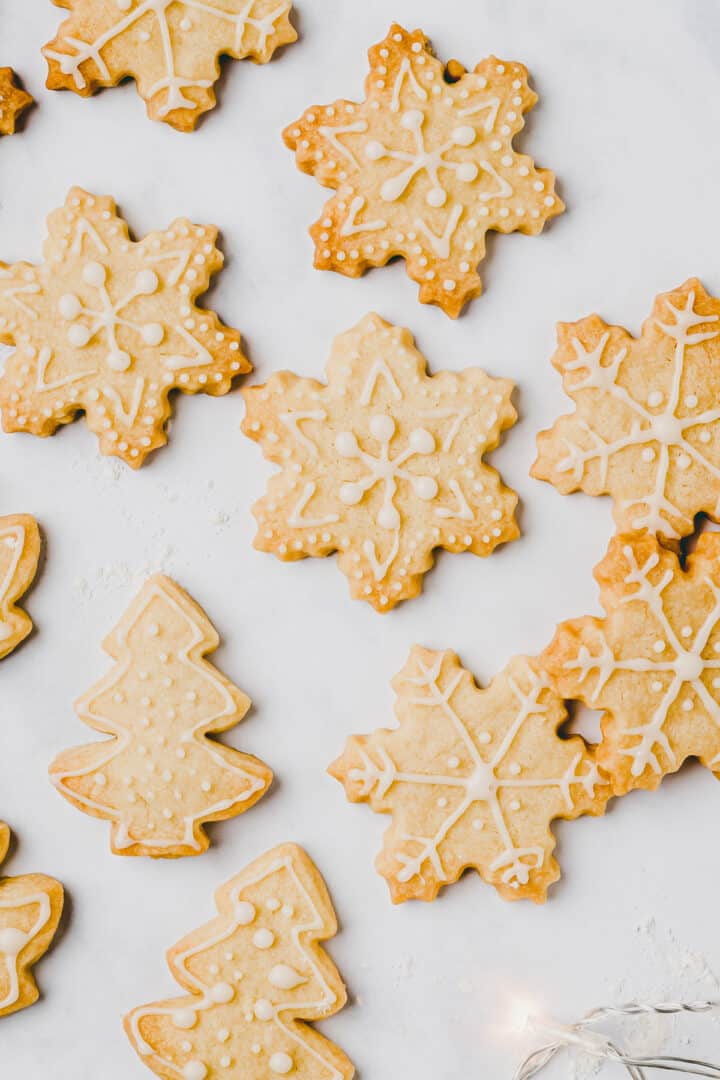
<point x="667" y="429"/>
<point x="689" y="666"/>
<point x="383" y="470"/>
<point x="107" y="319"/>
<point x="424" y="160"/>
<point x="481" y="785"/>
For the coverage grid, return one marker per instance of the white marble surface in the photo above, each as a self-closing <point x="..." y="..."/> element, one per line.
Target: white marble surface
<point x="628" y="121"/>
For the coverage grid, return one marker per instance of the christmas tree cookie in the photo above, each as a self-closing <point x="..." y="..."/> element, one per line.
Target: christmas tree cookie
<point x="160" y="776"/>
<point x="30" y="909"/>
<point x="652" y="664"/>
<point x="19" y="557"/>
<point x="254" y="977"/>
<point x="472" y="778"/>
<point x="108" y="327"/>
<point x="382" y="463"/>
<point x="423" y="168"/>
<point x="646" y="426"/>
<point x="13" y="101"/>
<point x="171" y="49"/>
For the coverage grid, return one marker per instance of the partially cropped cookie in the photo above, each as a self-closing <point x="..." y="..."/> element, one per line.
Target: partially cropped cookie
<point x="646" y="426"/>
<point x="254" y="977"/>
<point x="109" y="326"/>
<point x="382" y="463"/>
<point x="30" y="910"/>
<point x="472" y="778"/>
<point x="171" y="49"/>
<point x="13" y="101"/>
<point x="652" y="664"/>
<point x="423" y="168"/>
<point x="160" y="776"/>
<point x="19" y="557"/>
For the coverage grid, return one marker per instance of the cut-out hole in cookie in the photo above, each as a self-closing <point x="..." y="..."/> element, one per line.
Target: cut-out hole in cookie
<point x="583" y="721"/>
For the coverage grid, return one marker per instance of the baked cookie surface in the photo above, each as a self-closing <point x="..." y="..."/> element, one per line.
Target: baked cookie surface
<point x="30" y="910"/>
<point x="383" y="463"/>
<point x="652" y="664"/>
<point x="109" y="326"/>
<point x="472" y="778"/>
<point x="646" y="426"/>
<point x="423" y="168"/>
<point x="160" y="776"/>
<point x="255" y="977"/>
<point x="171" y="50"/>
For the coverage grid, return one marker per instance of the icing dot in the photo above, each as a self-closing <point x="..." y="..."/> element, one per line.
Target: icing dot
<point x="263" y="1009"/>
<point x="655" y="398"/>
<point x="686" y="631"/>
<point x="656" y="686"/>
<point x="659" y="646"/>
<point x="263" y="939"/>
<point x="69" y="306"/>
<point x="691" y="401"/>
<point x="245" y="912"/>
<point x="147" y="282"/>
<point x="94" y="273"/>
<point x="221" y="993"/>
<point x="281" y="1064"/>
<point x="285" y="977"/>
<point x="648" y="454"/>
<point x="79" y="335"/>
<point x="184" y="1018"/>
<point x="194" y="1070"/>
<point x="453" y="762"/>
<point x="153" y="333"/>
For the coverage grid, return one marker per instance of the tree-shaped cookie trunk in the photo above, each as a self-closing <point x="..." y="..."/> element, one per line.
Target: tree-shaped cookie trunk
<point x="30" y="910"/>
<point x="254" y="975"/>
<point x="159" y="777"/>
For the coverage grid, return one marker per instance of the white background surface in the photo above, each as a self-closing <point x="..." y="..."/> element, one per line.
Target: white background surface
<point x="628" y="121"/>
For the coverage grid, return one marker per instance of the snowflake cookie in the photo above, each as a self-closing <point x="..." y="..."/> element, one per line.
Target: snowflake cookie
<point x="108" y="327"/>
<point x="160" y="776"/>
<point x="423" y="168"/>
<point x="170" y="47"/>
<point x="382" y="463"/>
<point x="254" y="976"/>
<point x="472" y="778"/>
<point x="13" y="101"/>
<point x="30" y="909"/>
<point x="646" y="426"/>
<point x="652" y="664"/>
<point x="19" y="557"/>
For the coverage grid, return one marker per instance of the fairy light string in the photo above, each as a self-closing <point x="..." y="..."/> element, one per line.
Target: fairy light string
<point x="559" y="1037"/>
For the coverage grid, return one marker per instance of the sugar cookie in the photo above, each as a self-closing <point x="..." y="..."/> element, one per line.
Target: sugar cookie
<point x="646" y="426"/>
<point x="382" y="463"/>
<point x="19" y="557"/>
<point x="13" y="101"/>
<point x="424" y="167"/>
<point x="160" y="776"/>
<point x="255" y="976"/>
<point x="170" y="49"/>
<point x="109" y="327"/>
<point x="472" y="778"/>
<point x="30" y="910"/>
<point x="652" y="664"/>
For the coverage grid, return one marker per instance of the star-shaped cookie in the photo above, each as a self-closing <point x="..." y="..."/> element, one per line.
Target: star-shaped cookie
<point x="423" y="168"/>
<point x="646" y="426"/>
<point x="13" y="101"/>
<point x="30" y="910"/>
<point x="109" y="326"/>
<point x="472" y="778"/>
<point x="383" y="463"/>
<point x="170" y="47"/>
<point x="19" y="557"/>
<point x="652" y="664"/>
